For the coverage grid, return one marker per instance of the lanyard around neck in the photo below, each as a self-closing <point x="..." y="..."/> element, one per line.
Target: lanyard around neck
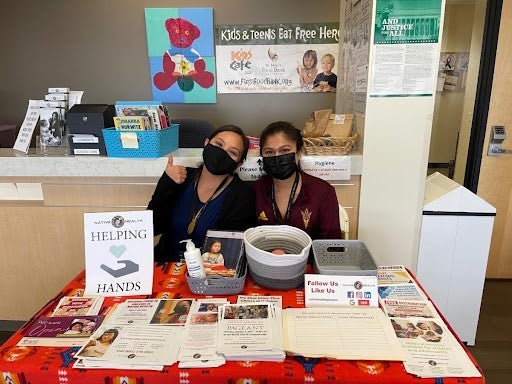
<point x="290" y="200"/>
<point x="195" y="217"/>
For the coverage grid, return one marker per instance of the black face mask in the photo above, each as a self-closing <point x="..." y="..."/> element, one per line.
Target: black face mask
<point x="217" y="161"/>
<point x="281" y="167"/>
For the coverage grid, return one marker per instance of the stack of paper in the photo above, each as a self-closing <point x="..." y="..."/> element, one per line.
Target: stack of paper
<point x="140" y="334"/>
<point x="199" y="347"/>
<point x="430" y="347"/>
<point x="250" y="331"/>
<point x="71" y="323"/>
<point x="357" y="333"/>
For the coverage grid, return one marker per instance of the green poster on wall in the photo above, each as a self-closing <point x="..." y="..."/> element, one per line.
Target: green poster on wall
<point x="407" y="21"/>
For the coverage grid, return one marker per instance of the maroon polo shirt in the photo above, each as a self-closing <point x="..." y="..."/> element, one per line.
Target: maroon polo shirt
<point x="315" y="210"/>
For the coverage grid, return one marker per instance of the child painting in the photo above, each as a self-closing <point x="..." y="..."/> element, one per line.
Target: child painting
<point x="308" y="70"/>
<point x="326" y="80"/>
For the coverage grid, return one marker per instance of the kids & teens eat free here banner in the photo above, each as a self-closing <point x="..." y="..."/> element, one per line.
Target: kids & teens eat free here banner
<point x="267" y="58"/>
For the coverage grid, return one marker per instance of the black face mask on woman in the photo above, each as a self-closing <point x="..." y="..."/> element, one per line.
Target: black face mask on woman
<point x="217" y="161"/>
<point x="281" y="167"/>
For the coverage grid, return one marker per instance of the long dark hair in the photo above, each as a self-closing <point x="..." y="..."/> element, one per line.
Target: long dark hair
<point x="110" y="330"/>
<point x="284" y="128"/>
<point x="237" y="130"/>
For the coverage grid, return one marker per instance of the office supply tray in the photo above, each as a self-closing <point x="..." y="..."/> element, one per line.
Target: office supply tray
<point x="343" y="257"/>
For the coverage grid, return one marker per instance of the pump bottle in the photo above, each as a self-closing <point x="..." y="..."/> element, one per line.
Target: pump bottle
<point x="193" y="259"/>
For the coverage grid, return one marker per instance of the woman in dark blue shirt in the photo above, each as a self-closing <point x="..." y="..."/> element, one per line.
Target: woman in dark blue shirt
<point x="189" y="201"/>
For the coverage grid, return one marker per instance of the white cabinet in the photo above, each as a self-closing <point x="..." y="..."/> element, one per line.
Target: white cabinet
<point x="454" y="246"/>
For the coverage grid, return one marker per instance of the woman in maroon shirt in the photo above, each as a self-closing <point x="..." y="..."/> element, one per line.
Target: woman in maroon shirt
<point x="286" y="194"/>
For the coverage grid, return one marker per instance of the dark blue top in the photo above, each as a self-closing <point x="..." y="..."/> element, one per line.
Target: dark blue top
<point x="236" y="212"/>
<point x="183" y="215"/>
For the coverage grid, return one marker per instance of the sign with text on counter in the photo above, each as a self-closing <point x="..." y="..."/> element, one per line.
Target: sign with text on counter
<point x="324" y="167"/>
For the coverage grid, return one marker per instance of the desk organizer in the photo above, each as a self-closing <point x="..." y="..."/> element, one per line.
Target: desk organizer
<point x="343" y="257"/>
<point x="151" y="143"/>
<point x="217" y="285"/>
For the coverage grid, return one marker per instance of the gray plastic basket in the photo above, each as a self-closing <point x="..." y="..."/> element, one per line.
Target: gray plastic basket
<point x="217" y="285"/>
<point x="343" y="257"/>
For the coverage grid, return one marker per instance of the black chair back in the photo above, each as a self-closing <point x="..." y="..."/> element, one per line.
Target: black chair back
<point x="193" y="132"/>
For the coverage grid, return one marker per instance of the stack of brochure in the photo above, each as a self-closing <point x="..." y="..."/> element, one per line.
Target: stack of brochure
<point x="70" y="324"/>
<point x="139" y="334"/>
<point x="430" y="347"/>
<point x="251" y="331"/>
<point x="199" y="347"/>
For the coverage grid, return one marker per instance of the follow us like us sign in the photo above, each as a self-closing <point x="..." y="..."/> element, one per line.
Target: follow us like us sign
<point x="340" y="291"/>
<point x="118" y="253"/>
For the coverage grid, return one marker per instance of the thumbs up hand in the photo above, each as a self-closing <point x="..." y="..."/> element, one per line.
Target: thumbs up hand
<point x="177" y="173"/>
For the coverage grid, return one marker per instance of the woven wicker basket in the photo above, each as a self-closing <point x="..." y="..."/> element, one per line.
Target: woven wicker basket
<point x="329" y="146"/>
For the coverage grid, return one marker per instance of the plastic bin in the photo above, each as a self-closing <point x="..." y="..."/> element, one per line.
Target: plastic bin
<point x="217" y="285"/>
<point x="151" y="143"/>
<point x="343" y="257"/>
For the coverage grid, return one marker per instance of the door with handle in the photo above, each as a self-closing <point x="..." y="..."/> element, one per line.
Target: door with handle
<point x="495" y="180"/>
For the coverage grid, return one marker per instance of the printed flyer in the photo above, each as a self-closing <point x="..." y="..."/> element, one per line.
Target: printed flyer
<point x="405" y="54"/>
<point x="431" y="349"/>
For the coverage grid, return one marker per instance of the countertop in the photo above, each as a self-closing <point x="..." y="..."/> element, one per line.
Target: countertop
<point x="59" y="163"/>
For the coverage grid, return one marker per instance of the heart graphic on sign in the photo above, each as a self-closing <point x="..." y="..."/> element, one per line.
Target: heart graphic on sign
<point x="117" y="250"/>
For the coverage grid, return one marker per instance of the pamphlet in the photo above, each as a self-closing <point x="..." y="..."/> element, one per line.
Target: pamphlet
<point x="199" y="348"/>
<point x="409" y="308"/>
<point x="393" y="274"/>
<point x="401" y="292"/>
<point x="78" y="305"/>
<point x="249" y="332"/>
<point x="70" y="331"/>
<point x="152" y="312"/>
<point x="133" y="344"/>
<point x="431" y="349"/>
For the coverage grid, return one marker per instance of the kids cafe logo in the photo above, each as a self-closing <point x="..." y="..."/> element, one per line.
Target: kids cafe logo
<point x="241" y="60"/>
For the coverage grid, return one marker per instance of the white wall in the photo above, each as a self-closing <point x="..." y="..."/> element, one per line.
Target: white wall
<point x="395" y="158"/>
<point x="449" y="104"/>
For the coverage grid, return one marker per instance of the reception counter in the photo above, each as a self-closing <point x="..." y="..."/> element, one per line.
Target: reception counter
<point x="42" y="202"/>
<point x="57" y="163"/>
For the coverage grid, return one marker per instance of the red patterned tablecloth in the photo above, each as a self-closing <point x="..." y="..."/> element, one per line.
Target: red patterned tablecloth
<point x="24" y="365"/>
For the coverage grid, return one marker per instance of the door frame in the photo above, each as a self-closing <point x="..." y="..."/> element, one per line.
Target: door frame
<point x="483" y="94"/>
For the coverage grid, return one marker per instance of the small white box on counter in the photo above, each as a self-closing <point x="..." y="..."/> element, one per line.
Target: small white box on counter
<point x="56" y="97"/>
<point x="58" y="90"/>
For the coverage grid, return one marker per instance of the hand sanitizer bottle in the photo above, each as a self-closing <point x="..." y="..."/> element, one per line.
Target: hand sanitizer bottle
<point x="193" y="259"/>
